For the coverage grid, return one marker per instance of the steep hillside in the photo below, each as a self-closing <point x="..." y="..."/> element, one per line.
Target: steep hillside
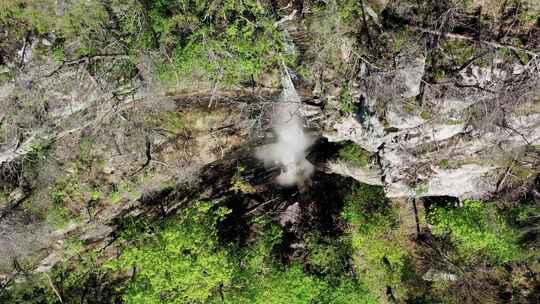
<point x="334" y="151"/>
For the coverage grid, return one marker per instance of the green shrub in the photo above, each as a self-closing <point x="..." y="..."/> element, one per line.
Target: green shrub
<point x="182" y="263"/>
<point x="114" y="197"/>
<point x="347" y="291"/>
<point x="85" y="157"/>
<point x="477" y="229"/>
<point x="78" y="280"/>
<point x="346" y="103"/>
<point x="260" y="278"/>
<point x="59" y="217"/>
<point x="354" y="155"/>
<point x="85" y="22"/>
<point x="64" y="192"/>
<point x="367" y="204"/>
<point x="378" y="251"/>
<point x="58" y="54"/>
<point x="239" y="184"/>
<point x="409" y="105"/>
<point x="32" y="290"/>
<point x="327" y="256"/>
<point x="525" y="212"/>
<point x="460" y="51"/>
<point x="444" y="164"/>
<point x="220" y="41"/>
<point x="174" y="122"/>
<point x="425" y="115"/>
<point x="23" y="15"/>
<point x="40" y="150"/>
<point x="280" y="286"/>
<point x="215" y="42"/>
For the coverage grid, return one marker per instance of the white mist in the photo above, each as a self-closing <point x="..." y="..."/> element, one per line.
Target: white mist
<point x="292" y="142"/>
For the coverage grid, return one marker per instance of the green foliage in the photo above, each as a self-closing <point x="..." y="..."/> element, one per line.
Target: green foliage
<point x="400" y="39"/>
<point x="346" y="103"/>
<point x="349" y="10"/>
<point x="215" y="41"/>
<point x="439" y="74"/>
<point x="63" y="195"/>
<point x="114" y="197"/>
<point x="259" y="278"/>
<point x="280" y="286"/>
<point x="527" y="15"/>
<point x="182" y="263"/>
<point x="346" y="291"/>
<point x="421" y="187"/>
<point x="95" y="194"/>
<point x="255" y="266"/>
<point x="328" y="256"/>
<point x="525" y="212"/>
<point x="477" y="229"/>
<point x="521" y="173"/>
<point x="58" y="53"/>
<point x="84" y="155"/>
<point x="220" y="41"/>
<point x="135" y="229"/>
<point x="239" y="184"/>
<point x="39" y="152"/>
<point x="82" y="282"/>
<point x="4" y="195"/>
<point x="257" y="257"/>
<point x="174" y="122"/>
<point x="444" y="164"/>
<point x="354" y="155"/>
<point x="367" y="204"/>
<point x="459" y="52"/>
<point x="409" y="105"/>
<point x="33" y="290"/>
<point x="5" y="75"/>
<point x="425" y="115"/>
<point x="84" y="22"/>
<point x="333" y="22"/>
<point x="505" y="54"/>
<point x="31" y="18"/>
<point x="234" y="55"/>
<point x="77" y="280"/>
<point x="58" y="217"/>
<point x="378" y="252"/>
<point x="24" y="15"/>
<point x="64" y="192"/>
<point x="454" y="122"/>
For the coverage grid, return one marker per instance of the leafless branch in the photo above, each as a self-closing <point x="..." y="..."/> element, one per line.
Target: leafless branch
<point x="54" y="288"/>
<point x="489" y="43"/>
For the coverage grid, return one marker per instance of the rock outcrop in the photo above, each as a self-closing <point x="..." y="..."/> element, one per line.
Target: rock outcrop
<point x="454" y="138"/>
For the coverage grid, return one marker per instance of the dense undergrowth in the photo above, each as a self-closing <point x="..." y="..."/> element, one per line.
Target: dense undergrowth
<point x="183" y="259"/>
<point x="226" y="42"/>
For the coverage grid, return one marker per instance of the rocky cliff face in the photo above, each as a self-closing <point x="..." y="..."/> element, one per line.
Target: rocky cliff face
<point x="463" y="124"/>
<point x="457" y="138"/>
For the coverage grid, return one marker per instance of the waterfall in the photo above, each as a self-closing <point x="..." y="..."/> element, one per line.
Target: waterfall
<point x="292" y="142"/>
